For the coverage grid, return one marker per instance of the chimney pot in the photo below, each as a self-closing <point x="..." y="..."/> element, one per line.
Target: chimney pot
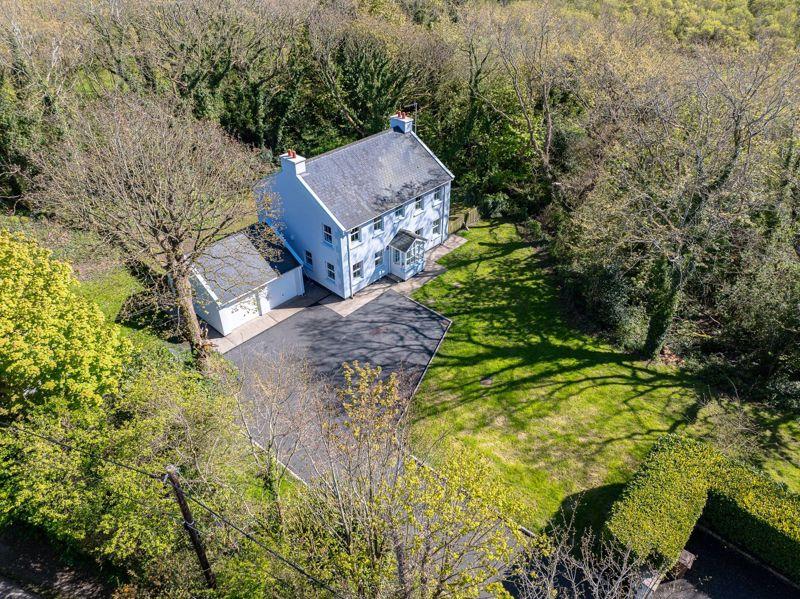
<point x="401" y="122"/>
<point x="292" y="163"/>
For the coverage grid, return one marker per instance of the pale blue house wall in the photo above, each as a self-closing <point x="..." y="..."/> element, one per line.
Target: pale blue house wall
<point x="372" y="242"/>
<point x="298" y="216"/>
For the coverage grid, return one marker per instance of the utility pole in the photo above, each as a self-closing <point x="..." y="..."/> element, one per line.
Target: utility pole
<point x="188" y="524"/>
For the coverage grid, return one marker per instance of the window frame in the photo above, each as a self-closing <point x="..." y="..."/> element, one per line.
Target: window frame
<point x="355" y="235"/>
<point x="419" y="204"/>
<point x="437" y="227"/>
<point x="309" y="259"/>
<point x="378" y="259"/>
<point x="379" y="221"/>
<point x="400" y="211"/>
<point x="330" y="271"/>
<point x="327" y="234"/>
<point x="360" y="267"/>
<point x="396" y="256"/>
<point x="438" y="196"/>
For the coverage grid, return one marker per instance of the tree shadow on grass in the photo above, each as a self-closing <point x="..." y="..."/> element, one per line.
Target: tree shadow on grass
<point x="154" y="308"/>
<point x="559" y="409"/>
<point x="509" y="330"/>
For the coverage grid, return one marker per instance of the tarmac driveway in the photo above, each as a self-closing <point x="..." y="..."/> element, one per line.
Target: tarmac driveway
<point x="391" y="331"/>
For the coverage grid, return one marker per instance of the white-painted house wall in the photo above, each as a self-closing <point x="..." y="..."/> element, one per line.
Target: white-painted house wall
<point x="226" y="317"/>
<point x="372" y="242"/>
<point x="297" y="213"/>
<point x="298" y="216"/>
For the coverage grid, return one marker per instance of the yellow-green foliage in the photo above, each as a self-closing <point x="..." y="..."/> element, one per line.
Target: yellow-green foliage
<point x="54" y="345"/>
<point x="664" y="500"/>
<point x="683" y="479"/>
<point x="746" y="506"/>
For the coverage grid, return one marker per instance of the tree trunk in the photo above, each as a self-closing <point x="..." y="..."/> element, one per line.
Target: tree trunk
<point x="194" y="334"/>
<point x="665" y="306"/>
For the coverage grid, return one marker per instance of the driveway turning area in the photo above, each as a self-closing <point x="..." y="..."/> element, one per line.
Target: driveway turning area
<point x="392" y="331"/>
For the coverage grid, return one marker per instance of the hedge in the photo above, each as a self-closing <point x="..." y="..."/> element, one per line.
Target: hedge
<point x="662" y="503"/>
<point x="762" y="517"/>
<point x="683" y="479"/>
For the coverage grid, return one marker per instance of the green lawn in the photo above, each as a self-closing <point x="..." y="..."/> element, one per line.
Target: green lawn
<point x="110" y="290"/>
<point x="563" y="413"/>
<point x="755" y="433"/>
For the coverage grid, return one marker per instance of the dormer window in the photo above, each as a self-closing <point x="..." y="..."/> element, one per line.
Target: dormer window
<point x="327" y="234"/>
<point x="355" y="235"/>
<point x="419" y="204"/>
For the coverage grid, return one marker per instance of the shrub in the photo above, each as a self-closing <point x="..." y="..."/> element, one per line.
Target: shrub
<point x="683" y="479"/>
<point x="750" y="509"/>
<point x="661" y="505"/>
<point x="54" y="345"/>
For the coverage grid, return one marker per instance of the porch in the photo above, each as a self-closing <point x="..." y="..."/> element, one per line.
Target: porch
<point x="407" y="251"/>
<point x="430" y="270"/>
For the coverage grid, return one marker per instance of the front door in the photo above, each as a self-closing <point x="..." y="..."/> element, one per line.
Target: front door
<point x="398" y="267"/>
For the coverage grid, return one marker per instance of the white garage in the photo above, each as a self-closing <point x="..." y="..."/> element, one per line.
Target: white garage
<point x="243" y="276"/>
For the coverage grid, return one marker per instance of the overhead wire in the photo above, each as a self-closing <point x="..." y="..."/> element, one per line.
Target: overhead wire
<point x="190" y="496"/>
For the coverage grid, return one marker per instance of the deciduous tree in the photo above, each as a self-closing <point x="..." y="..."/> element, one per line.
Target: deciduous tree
<point x="155" y="182"/>
<point x="55" y="346"/>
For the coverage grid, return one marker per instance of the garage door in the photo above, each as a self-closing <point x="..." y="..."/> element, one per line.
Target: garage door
<point x="282" y="289"/>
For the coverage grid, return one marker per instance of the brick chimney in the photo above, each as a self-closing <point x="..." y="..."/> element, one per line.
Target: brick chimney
<point x="293" y="163"/>
<point x="401" y="122"/>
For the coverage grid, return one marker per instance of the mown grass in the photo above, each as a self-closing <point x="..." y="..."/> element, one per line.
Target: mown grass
<point x="755" y="433"/>
<point x="557" y="412"/>
<point x="110" y="290"/>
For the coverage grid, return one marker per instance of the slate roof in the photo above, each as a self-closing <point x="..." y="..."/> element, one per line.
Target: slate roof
<point x="366" y="178"/>
<point x="404" y="240"/>
<point x="242" y="262"/>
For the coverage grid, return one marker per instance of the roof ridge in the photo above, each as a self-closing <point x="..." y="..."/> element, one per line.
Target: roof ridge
<point x="350" y="145"/>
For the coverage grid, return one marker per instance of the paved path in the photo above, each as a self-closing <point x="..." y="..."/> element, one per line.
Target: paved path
<point x="12" y="590"/>
<point x="721" y="573"/>
<point x="29" y="563"/>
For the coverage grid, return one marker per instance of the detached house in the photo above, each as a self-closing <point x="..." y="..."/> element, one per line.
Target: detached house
<point x="369" y="209"/>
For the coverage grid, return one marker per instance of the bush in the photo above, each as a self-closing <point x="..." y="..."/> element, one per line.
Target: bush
<point x="495" y="205"/>
<point x="750" y="509"/>
<point x="682" y="480"/>
<point x="661" y="505"/>
<point x="54" y="345"/>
